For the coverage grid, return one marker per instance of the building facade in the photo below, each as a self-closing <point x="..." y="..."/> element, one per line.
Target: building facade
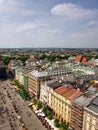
<point x="77" y="110"/>
<point x="59" y="99"/>
<point x="90" y="117"/>
<point x="19" y="75"/>
<point x="35" y="79"/>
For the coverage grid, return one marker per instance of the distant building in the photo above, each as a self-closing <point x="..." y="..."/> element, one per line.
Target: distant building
<point x="79" y="58"/>
<point x="3" y="71"/>
<point x="84" y="60"/>
<point x="33" y="56"/>
<point x="59" y="72"/>
<point x="13" y="65"/>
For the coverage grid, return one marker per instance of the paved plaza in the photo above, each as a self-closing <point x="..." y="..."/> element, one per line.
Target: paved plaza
<point x="15" y="114"/>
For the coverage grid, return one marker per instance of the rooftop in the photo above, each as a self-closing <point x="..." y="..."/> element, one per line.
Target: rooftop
<point x="61" y="90"/>
<point x="94" y="105"/>
<point x="85" y="99"/>
<point x="68" y="92"/>
<point x="72" y="93"/>
<point x="38" y="74"/>
<point x="53" y="84"/>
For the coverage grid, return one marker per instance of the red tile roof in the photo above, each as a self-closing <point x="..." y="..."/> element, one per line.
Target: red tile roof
<point x="79" y="58"/>
<point x="72" y="94"/>
<point x="68" y="92"/>
<point x="84" y="59"/>
<point x="61" y="89"/>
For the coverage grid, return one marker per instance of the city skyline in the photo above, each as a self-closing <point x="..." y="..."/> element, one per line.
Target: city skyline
<point x="45" y="23"/>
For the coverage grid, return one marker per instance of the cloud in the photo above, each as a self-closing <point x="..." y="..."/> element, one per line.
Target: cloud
<point x="2" y="2"/>
<point x="13" y="9"/>
<point x="72" y="11"/>
<point x="26" y="26"/>
<point x="91" y="24"/>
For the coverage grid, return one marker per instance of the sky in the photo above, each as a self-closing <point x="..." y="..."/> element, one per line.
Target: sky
<point x="48" y="23"/>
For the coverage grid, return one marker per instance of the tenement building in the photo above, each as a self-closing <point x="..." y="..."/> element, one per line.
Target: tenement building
<point x="59" y="72"/>
<point x="60" y="101"/>
<point x="90" y="117"/>
<point x="52" y="84"/>
<point x="77" y="109"/>
<point x="34" y="81"/>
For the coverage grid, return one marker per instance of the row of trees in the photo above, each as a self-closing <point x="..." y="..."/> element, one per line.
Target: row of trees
<point x="52" y="58"/>
<point x="23" y="92"/>
<point x="60" y="124"/>
<point x="7" y="59"/>
<point x="45" y="110"/>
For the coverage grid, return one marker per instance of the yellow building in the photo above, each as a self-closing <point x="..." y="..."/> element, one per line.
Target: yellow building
<point x="59" y="99"/>
<point x="90" y="117"/>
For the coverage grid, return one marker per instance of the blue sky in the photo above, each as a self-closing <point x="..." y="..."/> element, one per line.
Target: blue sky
<point x="48" y="23"/>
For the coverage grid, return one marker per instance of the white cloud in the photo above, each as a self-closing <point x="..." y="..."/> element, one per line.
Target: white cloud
<point x="72" y="11"/>
<point x="91" y="24"/>
<point x="48" y="31"/>
<point x="2" y="2"/>
<point x="15" y="9"/>
<point x="22" y="26"/>
<point x="26" y="26"/>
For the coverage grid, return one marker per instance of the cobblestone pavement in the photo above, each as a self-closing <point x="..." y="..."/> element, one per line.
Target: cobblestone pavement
<point x="17" y="107"/>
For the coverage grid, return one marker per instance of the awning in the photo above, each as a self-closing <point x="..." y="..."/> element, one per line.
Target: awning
<point x="31" y="91"/>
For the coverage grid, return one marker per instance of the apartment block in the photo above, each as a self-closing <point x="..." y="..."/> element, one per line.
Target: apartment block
<point x="60" y="101"/>
<point x="59" y="72"/>
<point x="35" y="78"/>
<point x="77" y="109"/>
<point x="90" y="117"/>
<point x="44" y="89"/>
<point x="19" y="75"/>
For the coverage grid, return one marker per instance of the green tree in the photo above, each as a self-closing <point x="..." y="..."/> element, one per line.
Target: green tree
<point x="43" y="57"/>
<point x="63" y="126"/>
<point x="96" y="57"/>
<point x="23" y="58"/>
<point x="35" y="101"/>
<point x="89" y="57"/>
<point x="39" y="104"/>
<point x="25" y="92"/>
<point x="45" y="109"/>
<point x="6" y="60"/>
<point x="56" y="123"/>
<point x="51" y="58"/>
<point x="66" y="57"/>
<point x="49" y="114"/>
